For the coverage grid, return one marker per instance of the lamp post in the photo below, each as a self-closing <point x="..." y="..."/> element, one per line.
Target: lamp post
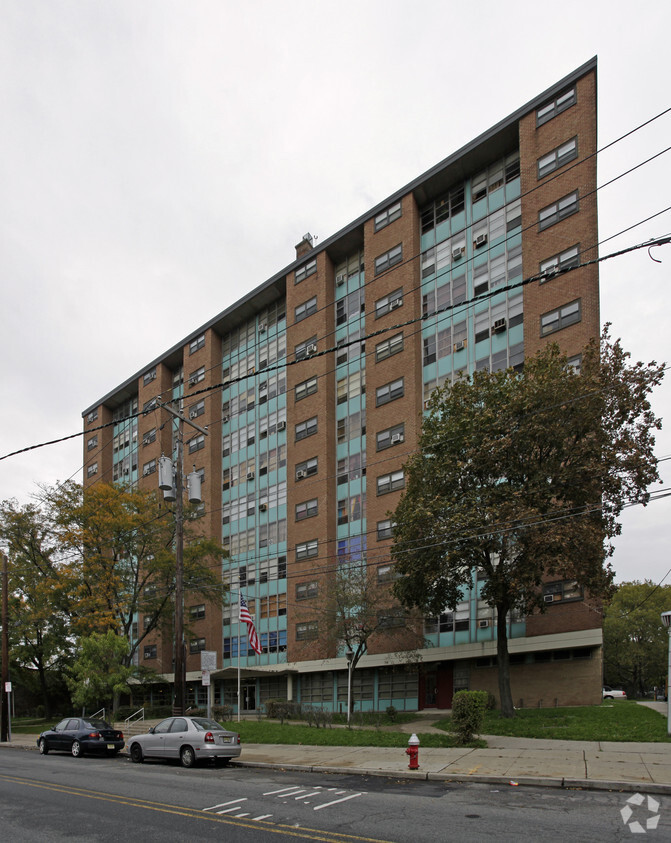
<point x="349" y="655"/>
<point x="666" y="620"/>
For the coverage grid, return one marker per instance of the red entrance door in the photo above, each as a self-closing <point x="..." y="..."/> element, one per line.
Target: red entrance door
<point x="436" y="687"/>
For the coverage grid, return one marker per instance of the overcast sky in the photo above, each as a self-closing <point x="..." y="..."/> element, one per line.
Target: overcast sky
<point x="163" y="157"/>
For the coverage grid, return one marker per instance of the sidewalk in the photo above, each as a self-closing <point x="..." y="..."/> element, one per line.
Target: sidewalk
<point x="631" y="767"/>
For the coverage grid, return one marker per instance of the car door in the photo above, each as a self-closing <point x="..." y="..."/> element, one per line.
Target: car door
<point x="153" y="744"/>
<point x="176" y="737"/>
<point x="57" y="737"/>
<point x="70" y="732"/>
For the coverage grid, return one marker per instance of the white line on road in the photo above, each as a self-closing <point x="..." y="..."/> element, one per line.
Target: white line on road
<point x="308" y="795"/>
<point x="262" y="817"/>
<point x="223" y="804"/>
<point x="238" y="816"/>
<point x="336" y="801"/>
<point x="228" y="810"/>
<point x="283" y="790"/>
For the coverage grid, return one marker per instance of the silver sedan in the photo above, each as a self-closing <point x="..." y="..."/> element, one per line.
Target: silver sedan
<point x="191" y="739"/>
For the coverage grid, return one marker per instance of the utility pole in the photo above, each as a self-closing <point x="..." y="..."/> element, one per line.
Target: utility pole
<point x="171" y="478"/>
<point x="4" y="714"/>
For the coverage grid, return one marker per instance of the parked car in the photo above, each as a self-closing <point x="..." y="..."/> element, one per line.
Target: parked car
<point x="191" y="739"/>
<point x="613" y="694"/>
<point x="81" y="736"/>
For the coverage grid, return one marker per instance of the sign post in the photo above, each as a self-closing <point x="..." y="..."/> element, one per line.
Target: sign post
<point x="208" y="663"/>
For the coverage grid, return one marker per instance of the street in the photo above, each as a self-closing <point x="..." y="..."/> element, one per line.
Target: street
<point x="57" y="797"/>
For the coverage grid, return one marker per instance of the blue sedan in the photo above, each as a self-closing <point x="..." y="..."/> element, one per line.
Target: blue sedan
<point x="81" y="736"/>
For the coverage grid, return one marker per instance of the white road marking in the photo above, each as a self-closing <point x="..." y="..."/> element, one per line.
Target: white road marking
<point x="283" y="790"/>
<point x="262" y="817"/>
<point x="238" y="816"/>
<point x="223" y="804"/>
<point x="336" y="801"/>
<point x="308" y="795"/>
<point x="228" y="810"/>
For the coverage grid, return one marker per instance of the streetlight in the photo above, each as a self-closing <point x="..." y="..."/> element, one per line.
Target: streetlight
<point x="666" y="620"/>
<point x="349" y="655"/>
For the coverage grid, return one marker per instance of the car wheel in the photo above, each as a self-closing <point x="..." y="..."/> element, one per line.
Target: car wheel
<point x="76" y="749"/>
<point x="608" y="698"/>
<point x="136" y="753"/>
<point x="43" y="747"/>
<point x="187" y="756"/>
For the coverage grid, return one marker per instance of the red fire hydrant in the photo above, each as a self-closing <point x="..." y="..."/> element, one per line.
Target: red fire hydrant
<point x="413" y="752"/>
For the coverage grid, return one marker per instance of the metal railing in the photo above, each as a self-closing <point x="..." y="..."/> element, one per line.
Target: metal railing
<point x="137" y="717"/>
<point x="100" y="713"/>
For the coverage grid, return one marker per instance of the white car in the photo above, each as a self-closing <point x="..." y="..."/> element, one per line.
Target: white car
<point x="613" y="694"/>
<point x="189" y="739"/>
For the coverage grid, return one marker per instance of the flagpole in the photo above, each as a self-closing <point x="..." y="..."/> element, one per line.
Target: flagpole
<point x="239" y="622"/>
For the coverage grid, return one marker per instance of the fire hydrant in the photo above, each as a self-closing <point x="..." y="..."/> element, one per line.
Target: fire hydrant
<point x="413" y="752"/>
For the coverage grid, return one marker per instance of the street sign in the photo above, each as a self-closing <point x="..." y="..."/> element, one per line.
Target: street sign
<point x="208" y="660"/>
<point x="205" y="677"/>
<point x="8" y="687"/>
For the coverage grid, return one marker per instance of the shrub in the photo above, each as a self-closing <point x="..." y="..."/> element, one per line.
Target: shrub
<point x="221" y="713"/>
<point x="391" y="713"/>
<point x="468" y="713"/>
<point x="282" y="710"/>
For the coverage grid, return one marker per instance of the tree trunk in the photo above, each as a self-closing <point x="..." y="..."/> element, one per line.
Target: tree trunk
<point x="507" y="708"/>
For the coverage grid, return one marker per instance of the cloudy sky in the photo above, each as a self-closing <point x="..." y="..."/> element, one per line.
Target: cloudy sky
<point x="159" y="157"/>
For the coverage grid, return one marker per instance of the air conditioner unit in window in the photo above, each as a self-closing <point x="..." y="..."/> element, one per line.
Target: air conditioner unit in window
<point x="281" y="425"/>
<point x="193" y="381"/>
<point x="499" y="325"/>
<point x="146" y="472"/>
<point x="263" y="507"/>
<point x="427" y="404"/>
<point x="250" y="475"/>
<point x="483" y="624"/>
<point x="550" y="271"/>
<point x="548" y="598"/>
<point x="459" y="345"/>
<point x="300" y="475"/>
<point x="193" y="414"/>
<point x="396" y="437"/>
<point x="395" y="303"/>
<point x="340" y="280"/>
<point x="457" y="253"/>
<point x="262" y="327"/>
<point x="311" y="348"/>
<point x="480" y="240"/>
<point x="224" y="419"/>
<point x="263" y="385"/>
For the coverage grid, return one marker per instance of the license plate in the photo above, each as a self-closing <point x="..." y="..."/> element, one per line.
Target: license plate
<point x="110" y="746"/>
<point x="226" y="739"/>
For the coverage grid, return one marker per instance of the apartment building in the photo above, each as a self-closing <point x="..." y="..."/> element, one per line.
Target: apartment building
<point x="312" y="387"/>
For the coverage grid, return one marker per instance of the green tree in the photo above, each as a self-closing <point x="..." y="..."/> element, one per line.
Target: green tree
<point x="635" y="642"/>
<point x="100" y="673"/>
<point x="523" y="475"/>
<point x="39" y="595"/>
<point x="122" y="545"/>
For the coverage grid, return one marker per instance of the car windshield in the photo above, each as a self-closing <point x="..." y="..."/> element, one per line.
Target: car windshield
<point x="203" y="724"/>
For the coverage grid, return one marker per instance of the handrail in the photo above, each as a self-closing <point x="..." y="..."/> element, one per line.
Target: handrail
<point x="98" y="713"/>
<point x="130" y="719"/>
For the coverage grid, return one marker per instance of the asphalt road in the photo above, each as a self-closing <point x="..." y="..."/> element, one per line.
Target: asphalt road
<point x="58" y="797"/>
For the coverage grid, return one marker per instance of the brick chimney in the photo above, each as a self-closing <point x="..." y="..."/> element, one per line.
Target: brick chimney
<point x="304" y="246"/>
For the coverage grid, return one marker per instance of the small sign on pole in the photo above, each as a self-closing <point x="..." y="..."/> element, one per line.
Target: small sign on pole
<point x="205" y="677"/>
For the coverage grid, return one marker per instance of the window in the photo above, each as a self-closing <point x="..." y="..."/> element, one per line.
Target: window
<point x="307" y="509"/>
<point x="575" y="362"/>
<point x="558" y="211"/>
<point x="197" y="376"/>
<point x="557" y="263"/>
<point x="92" y="469"/>
<point x="307" y="549"/>
<point x="552" y="109"/>
<point x="389" y="259"/>
<point x="306" y="428"/>
<point x="351" y="509"/>
<point x="196" y="410"/>
<point x="196" y="443"/>
<point x="389" y="347"/>
<point x="149" y="468"/>
<point x="150" y="405"/>
<point x="386" y="573"/>
<point x="149" y="437"/>
<point x="196" y="645"/>
<point x="351" y="427"/>
<point x="149" y="376"/>
<point x="557" y="158"/>
<point x="197" y="613"/>
<point x="351" y="386"/>
<point x="390" y="482"/>
<point x="304" y="271"/>
<point x="388" y="392"/>
<point x="353" y="304"/>
<point x="307" y="631"/>
<point x="393" y="212"/>
<point x="306" y="469"/>
<point x="385" y="529"/>
<point x="389" y="302"/>
<point x="442" y="209"/>
<point x="149" y="651"/>
<point x="199" y="342"/>
<point x="92" y="443"/>
<point x="307" y="347"/>
<point x="390" y="436"/>
<point x="306" y="590"/>
<point x="391" y="619"/>
<point x="92" y="416"/>
<point x="306" y="309"/>
<point x="308" y="387"/>
<point x="556" y="592"/>
<point x="564" y="316"/>
<point x="351" y="467"/>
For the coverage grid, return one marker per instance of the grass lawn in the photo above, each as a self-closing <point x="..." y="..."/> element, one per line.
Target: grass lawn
<point x="614" y="721"/>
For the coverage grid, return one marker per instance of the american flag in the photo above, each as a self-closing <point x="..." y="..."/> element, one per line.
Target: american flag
<point x="245" y="617"/>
